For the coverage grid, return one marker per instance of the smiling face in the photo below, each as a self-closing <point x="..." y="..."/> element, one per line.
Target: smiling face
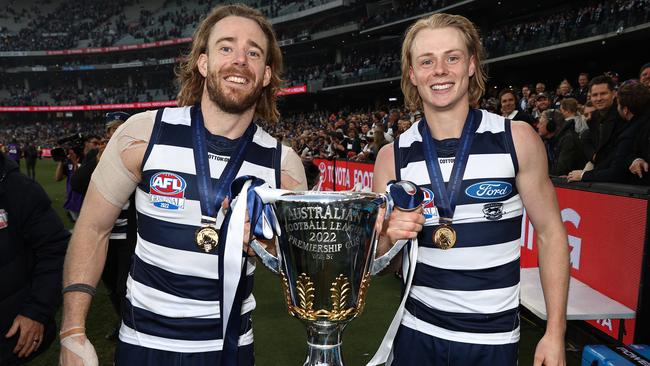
<point x="441" y="68"/>
<point x="507" y="103"/>
<point x="235" y="64"/>
<point x="601" y="96"/>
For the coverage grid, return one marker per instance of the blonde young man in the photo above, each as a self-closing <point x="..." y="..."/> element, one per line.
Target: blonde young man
<point x="478" y="170"/>
<point x="180" y="162"/>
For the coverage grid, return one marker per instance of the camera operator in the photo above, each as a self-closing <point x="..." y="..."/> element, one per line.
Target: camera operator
<point x="80" y="179"/>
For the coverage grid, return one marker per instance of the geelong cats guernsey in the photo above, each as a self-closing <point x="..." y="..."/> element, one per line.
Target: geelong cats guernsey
<point x="174" y="288"/>
<point x="469" y="293"/>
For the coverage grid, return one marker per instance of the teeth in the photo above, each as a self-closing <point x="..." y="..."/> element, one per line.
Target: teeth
<point x="441" y="86"/>
<point x="236" y="79"/>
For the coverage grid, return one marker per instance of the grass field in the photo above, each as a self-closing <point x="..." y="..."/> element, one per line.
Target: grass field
<point x="279" y="339"/>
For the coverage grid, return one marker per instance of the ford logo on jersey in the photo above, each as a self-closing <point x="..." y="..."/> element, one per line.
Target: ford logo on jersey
<point x="428" y="205"/>
<point x="167" y="191"/>
<point x="489" y="190"/>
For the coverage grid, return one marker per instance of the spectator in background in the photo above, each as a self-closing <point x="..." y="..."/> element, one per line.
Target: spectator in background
<point x="540" y="88"/>
<point x="634" y="106"/>
<point x="13" y="152"/>
<point x="352" y="143"/>
<point x="564" y="91"/>
<point x="31" y="154"/>
<point x="525" y="94"/>
<point x="611" y="164"/>
<point x="561" y="142"/>
<point x="583" y="88"/>
<point x="34" y="242"/>
<point x="569" y="110"/>
<point x="542" y="103"/>
<point x="605" y="123"/>
<point x="644" y="75"/>
<point x="508" y="107"/>
<point x="65" y="169"/>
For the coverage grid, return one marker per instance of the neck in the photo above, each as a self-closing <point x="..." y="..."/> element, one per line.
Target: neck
<point x="446" y="124"/>
<point x="221" y="123"/>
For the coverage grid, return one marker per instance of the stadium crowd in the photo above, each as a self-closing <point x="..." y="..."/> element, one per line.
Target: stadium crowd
<point x="104" y="25"/>
<point x="585" y="128"/>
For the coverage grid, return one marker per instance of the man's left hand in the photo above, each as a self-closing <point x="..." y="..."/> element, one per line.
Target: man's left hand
<point x="550" y="351"/>
<point x="31" y="335"/>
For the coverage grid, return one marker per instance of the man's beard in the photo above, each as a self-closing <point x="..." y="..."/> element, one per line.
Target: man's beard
<point x="236" y="102"/>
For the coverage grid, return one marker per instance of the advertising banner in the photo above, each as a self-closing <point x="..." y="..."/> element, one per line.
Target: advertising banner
<point x="606" y="235"/>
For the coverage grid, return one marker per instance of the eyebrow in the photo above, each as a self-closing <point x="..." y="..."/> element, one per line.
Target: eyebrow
<point x="232" y="39"/>
<point x="446" y="52"/>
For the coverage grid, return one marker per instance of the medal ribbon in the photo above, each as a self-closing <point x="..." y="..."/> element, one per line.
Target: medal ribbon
<point x="445" y="196"/>
<point x="202" y="164"/>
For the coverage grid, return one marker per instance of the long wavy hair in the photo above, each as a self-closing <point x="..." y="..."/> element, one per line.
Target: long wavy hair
<point x="470" y="35"/>
<point x="191" y="81"/>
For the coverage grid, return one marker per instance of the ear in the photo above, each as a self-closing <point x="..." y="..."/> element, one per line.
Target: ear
<point x="472" y="66"/>
<point x="267" y="75"/>
<point x="202" y="64"/>
<point x="412" y="76"/>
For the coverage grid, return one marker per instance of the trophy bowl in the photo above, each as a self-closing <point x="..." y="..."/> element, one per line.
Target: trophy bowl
<point x="325" y="257"/>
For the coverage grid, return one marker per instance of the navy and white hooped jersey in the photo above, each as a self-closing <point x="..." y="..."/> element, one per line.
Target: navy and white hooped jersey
<point x="174" y="288"/>
<point x="469" y="293"/>
<point x="120" y="229"/>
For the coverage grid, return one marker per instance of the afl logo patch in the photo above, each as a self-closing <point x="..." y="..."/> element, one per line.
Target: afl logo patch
<point x="167" y="191"/>
<point x="428" y="205"/>
<point x="489" y="190"/>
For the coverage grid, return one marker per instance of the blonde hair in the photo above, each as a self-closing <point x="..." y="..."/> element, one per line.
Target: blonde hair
<point x="191" y="81"/>
<point x="470" y="35"/>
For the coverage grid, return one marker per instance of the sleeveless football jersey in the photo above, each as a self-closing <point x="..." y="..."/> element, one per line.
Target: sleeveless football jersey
<point x="469" y="293"/>
<point x="174" y="288"/>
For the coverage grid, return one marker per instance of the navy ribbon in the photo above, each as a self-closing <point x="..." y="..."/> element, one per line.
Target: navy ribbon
<point x="202" y="164"/>
<point x="445" y="196"/>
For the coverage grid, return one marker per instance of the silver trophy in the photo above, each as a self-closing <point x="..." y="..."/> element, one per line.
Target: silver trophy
<point x="326" y="254"/>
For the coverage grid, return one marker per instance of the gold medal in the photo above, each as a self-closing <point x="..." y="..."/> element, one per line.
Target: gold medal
<point x="207" y="238"/>
<point x="444" y="236"/>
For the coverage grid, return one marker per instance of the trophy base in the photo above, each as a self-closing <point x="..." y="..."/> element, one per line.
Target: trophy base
<point x="324" y="343"/>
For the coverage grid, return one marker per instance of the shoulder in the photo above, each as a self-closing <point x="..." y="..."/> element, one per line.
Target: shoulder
<point x="138" y="126"/>
<point x="385" y="160"/>
<point x="528" y="145"/>
<point x="265" y="139"/>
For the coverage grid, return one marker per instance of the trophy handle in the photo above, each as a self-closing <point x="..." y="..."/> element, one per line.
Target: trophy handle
<point x="269" y="260"/>
<point x="403" y="195"/>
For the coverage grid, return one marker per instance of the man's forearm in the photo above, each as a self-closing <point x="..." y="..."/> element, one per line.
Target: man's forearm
<point x="83" y="264"/>
<point x="554" y="274"/>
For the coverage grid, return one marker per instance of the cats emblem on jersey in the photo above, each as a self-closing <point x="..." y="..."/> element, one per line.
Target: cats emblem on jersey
<point x="489" y="190"/>
<point x="493" y="211"/>
<point x="167" y="191"/>
<point x="4" y="219"/>
<point x="428" y="205"/>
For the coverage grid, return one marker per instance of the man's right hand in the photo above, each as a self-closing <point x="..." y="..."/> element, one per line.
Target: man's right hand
<point x="77" y="350"/>
<point x="401" y="224"/>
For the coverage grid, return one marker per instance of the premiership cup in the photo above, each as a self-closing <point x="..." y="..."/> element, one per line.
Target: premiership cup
<point x="326" y="255"/>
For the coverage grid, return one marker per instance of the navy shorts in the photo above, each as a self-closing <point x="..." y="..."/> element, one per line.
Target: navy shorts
<point x="129" y="355"/>
<point x="413" y="348"/>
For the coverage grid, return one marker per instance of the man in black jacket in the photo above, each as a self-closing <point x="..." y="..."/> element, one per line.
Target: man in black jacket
<point x="605" y="124"/>
<point x="33" y="243"/>
<point x="614" y="166"/>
